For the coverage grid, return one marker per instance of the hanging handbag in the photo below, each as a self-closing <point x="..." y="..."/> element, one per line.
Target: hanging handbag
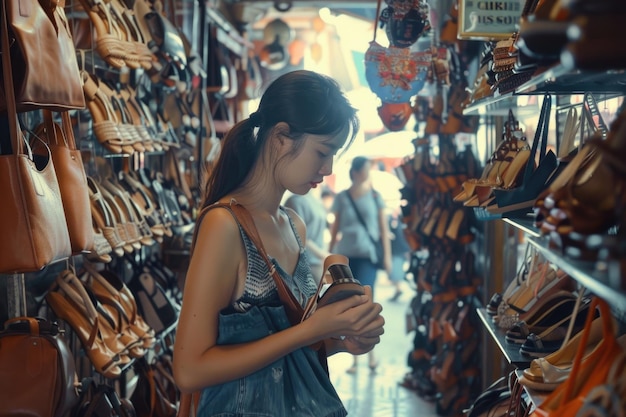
<point x="593" y="371"/>
<point x="378" y="244"/>
<point x="31" y="216"/>
<point x="72" y="180"/>
<point x="43" y="57"/>
<point x="149" y="397"/>
<point x="37" y="370"/>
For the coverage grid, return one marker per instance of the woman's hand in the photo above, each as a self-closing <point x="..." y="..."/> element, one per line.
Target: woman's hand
<point x="357" y="319"/>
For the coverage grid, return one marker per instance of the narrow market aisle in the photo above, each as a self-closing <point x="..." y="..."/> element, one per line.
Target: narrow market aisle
<point x="379" y="394"/>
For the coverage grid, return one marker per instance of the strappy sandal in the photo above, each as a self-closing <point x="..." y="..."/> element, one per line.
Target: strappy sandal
<point x="125" y="228"/>
<point x="85" y="325"/>
<point x="138" y="119"/>
<point x="141" y="196"/>
<point x="126" y="125"/>
<point x="102" y="217"/>
<point x="126" y="20"/>
<point x="109" y="43"/>
<point x="105" y="123"/>
<point x="119" y="292"/>
<point x="134" y="215"/>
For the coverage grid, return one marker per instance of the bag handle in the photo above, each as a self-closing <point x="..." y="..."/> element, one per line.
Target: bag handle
<point x="607" y="340"/>
<point x="17" y="144"/>
<point x="358" y="215"/>
<point x="66" y="129"/>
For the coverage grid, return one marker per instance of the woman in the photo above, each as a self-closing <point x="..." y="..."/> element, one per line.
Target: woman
<point x="360" y="220"/>
<point x="289" y="143"/>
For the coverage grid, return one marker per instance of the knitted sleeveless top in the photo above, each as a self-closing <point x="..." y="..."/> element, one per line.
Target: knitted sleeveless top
<point x="260" y="288"/>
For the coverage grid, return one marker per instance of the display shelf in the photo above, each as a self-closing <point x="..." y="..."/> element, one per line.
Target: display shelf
<point x="500" y="106"/>
<point x="525" y="225"/>
<point x="556" y="80"/>
<point x="510" y="351"/>
<point x="598" y="277"/>
<point x="565" y="80"/>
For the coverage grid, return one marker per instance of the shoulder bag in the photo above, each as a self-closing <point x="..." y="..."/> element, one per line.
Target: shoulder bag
<point x="72" y="180"/>
<point x="32" y="215"/>
<point x="378" y="244"/>
<point x="43" y="57"/>
<point x="37" y="370"/>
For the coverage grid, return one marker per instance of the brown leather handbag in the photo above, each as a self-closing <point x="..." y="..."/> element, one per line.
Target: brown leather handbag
<point x="72" y="180"/>
<point x="37" y="370"/>
<point x="31" y="216"/>
<point x="43" y="57"/>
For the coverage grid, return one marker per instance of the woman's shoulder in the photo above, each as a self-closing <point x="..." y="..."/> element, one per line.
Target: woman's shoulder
<point x="219" y="220"/>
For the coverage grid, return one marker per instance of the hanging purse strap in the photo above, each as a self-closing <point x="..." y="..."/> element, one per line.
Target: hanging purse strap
<point x="16" y="134"/>
<point x="541" y="137"/>
<point x="358" y="215"/>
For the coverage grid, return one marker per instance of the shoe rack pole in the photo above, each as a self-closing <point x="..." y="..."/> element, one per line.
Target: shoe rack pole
<point x="16" y="295"/>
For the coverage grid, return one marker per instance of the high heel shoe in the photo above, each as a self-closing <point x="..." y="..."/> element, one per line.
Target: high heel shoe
<point x="87" y="328"/>
<point x="546" y="373"/>
<point x="118" y="292"/>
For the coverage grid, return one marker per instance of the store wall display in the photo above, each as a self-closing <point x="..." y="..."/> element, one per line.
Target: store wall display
<point x="135" y="157"/>
<point x="572" y="318"/>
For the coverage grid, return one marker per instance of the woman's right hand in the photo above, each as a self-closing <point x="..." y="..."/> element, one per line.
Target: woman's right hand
<point x="356" y="316"/>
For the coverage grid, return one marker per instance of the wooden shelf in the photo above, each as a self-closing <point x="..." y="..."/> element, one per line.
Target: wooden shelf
<point x="510" y="351"/>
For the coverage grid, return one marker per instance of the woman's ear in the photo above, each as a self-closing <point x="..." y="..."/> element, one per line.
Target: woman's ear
<point x="281" y="132"/>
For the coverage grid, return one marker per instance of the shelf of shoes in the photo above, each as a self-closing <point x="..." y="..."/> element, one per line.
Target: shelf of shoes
<point x="602" y="278"/>
<point x="509" y="350"/>
<point x="567" y="80"/>
<point x="559" y="79"/>
<point x="500" y="106"/>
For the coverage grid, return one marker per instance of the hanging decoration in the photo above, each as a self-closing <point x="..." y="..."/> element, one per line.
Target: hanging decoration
<point x="395" y="116"/>
<point x="276" y="35"/>
<point x="405" y="21"/>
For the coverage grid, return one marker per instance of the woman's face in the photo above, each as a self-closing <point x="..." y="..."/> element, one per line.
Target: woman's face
<point x="312" y="161"/>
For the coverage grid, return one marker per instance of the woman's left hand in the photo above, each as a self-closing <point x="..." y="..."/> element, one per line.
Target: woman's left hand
<point x="364" y="342"/>
<point x="358" y="345"/>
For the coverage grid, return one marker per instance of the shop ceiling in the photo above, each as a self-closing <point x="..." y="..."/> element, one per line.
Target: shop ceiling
<point x="297" y="12"/>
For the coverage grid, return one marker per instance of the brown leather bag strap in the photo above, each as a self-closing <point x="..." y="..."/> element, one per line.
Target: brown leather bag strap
<point x="242" y="216"/>
<point x="9" y="91"/>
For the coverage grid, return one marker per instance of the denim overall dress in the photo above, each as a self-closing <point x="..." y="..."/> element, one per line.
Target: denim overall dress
<point x="295" y="385"/>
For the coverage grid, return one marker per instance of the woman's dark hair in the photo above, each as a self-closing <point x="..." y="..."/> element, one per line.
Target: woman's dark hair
<point x="310" y="103"/>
